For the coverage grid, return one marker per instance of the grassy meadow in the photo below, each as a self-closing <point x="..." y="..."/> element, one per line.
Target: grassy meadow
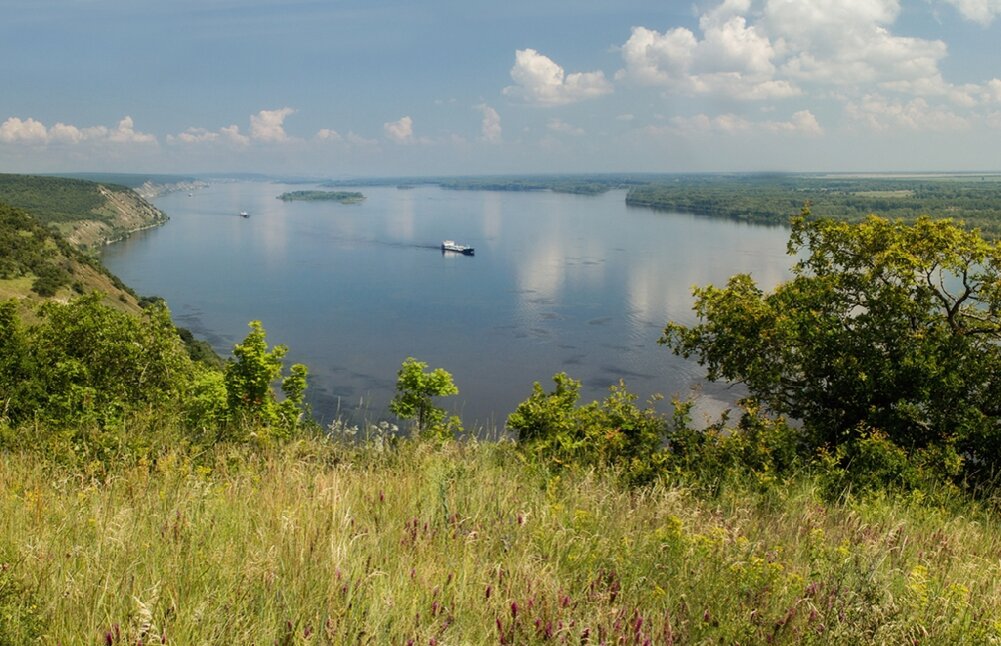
<point x="418" y="542"/>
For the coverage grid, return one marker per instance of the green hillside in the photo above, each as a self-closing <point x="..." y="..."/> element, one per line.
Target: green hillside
<point x="88" y="214"/>
<point x="37" y="263"/>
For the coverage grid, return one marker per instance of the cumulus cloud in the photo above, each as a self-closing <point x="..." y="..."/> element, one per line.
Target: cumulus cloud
<point x="992" y="90"/>
<point x="126" y="133"/>
<point x="269" y="125"/>
<point x="358" y="141"/>
<point x="849" y="43"/>
<point x="30" y="131"/>
<point x="326" y="134"/>
<point x="194" y="136"/>
<point x="66" y="134"/>
<point x="490" y="127"/>
<point x="233" y="135"/>
<point x="540" y="81"/>
<point x="562" y="127"/>
<point x="802" y="122"/>
<point x="879" y="113"/>
<point x="726" y="123"/>
<point x="401" y="131"/>
<point x="980" y="11"/>
<point x="14" y="130"/>
<point x="742" y="52"/>
<point x="732" y="58"/>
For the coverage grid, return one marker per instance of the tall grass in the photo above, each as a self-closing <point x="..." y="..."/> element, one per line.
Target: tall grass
<point x="316" y="543"/>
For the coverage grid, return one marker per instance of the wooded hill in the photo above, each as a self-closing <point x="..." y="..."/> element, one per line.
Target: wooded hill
<point x="87" y="214"/>
<point x="48" y="229"/>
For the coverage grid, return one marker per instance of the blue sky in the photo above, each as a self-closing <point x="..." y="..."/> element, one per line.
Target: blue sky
<point x="393" y="87"/>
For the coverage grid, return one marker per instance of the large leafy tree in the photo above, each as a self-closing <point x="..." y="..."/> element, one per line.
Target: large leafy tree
<point x="86" y="361"/>
<point x="884" y="326"/>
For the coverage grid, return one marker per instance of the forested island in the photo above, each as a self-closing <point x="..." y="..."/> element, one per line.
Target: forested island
<point x="343" y="197"/>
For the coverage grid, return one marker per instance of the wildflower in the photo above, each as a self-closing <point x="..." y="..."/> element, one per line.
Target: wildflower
<point x="486" y="593"/>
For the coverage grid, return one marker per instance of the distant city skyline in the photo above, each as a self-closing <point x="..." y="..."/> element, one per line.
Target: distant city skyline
<point x="361" y="88"/>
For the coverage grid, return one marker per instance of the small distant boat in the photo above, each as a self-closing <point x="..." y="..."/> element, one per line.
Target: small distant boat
<point x="244" y="214"/>
<point x="450" y="245"/>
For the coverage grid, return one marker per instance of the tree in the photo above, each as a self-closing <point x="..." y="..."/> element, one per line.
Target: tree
<point x="414" y="390"/>
<point x="85" y="360"/>
<point x="249" y="379"/>
<point x="884" y="326"/>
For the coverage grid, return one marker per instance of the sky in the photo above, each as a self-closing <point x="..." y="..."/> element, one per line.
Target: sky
<point x="351" y="88"/>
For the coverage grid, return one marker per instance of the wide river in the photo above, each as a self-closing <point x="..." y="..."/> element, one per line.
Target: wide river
<point x="559" y="282"/>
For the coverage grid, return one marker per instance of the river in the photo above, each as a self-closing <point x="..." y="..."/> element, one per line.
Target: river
<point x="581" y="284"/>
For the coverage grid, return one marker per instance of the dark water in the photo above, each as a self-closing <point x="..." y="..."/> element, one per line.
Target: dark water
<point x="558" y="283"/>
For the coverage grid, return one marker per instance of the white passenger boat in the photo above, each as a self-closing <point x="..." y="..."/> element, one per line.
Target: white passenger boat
<point x="450" y="245"/>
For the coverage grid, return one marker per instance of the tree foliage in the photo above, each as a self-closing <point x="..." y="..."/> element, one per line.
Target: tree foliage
<point x="415" y="389"/>
<point x="772" y="198"/>
<point x="884" y="326"/>
<point x="613" y="433"/>
<point x="86" y="361"/>
<point x="249" y="380"/>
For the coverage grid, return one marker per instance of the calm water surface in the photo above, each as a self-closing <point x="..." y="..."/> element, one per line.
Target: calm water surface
<point x="559" y="283"/>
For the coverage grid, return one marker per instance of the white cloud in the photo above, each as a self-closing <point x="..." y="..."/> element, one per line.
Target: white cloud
<point x="733" y="59"/>
<point x="126" y="133"/>
<point x="401" y="131"/>
<point x="849" y="43"/>
<point x="490" y="128"/>
<point x="194" y="136"/>
<point x="878" y="113"/>
<point x="359" y="141"/>
<point x="234" y="136"/>
<point x="562" y="127"/>
<point x="326" y="134"/>
<point x="981" y="11"/>
<point x="726" y="123"/>
<point x="993" y="90"/>
<point x="771" y="53"/>
<point x="802" y="122"/>
<point x="29" y="131"/>
<point x="269" y="125"/>
<point x="63" y="133"/>
<point x="540" y="81"/>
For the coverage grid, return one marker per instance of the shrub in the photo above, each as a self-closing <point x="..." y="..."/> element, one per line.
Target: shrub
<point x="612" y="433"/>
<point x="415" y="387"/>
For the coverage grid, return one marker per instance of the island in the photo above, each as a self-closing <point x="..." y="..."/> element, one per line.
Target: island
<point x="344" y="197"/>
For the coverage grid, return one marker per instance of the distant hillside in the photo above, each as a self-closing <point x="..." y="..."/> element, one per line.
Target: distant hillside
<point x="86" y="213"/>
<point x="36" y="263"/>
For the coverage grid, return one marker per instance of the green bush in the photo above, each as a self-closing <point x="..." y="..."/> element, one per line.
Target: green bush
<point x="757" y="450"/>
<point x="612" y="433"/>
<point x="249" y="379"/>
<point x="415" y="387"/>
